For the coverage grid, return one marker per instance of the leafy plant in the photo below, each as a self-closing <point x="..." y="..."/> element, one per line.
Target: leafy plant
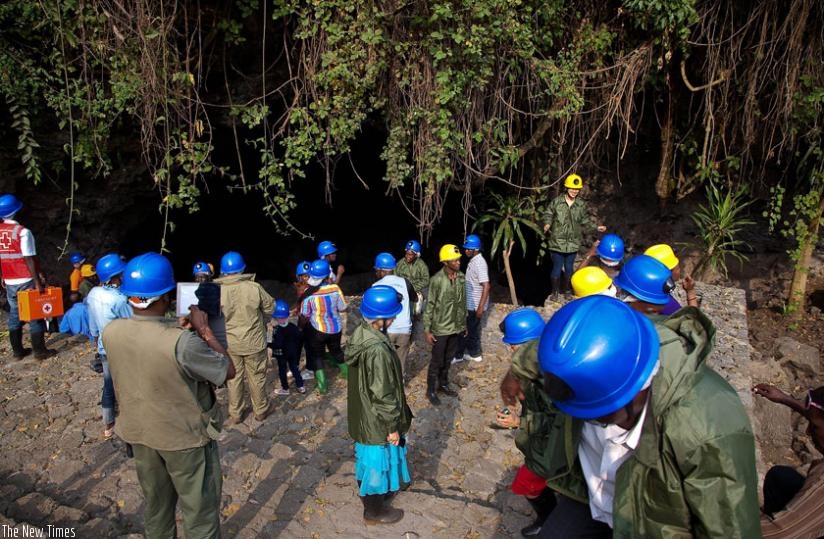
<point x="509" y="218"/>
<point x="720" y="220"/>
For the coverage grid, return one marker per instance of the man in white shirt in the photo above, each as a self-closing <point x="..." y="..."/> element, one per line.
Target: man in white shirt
<point x="20" y="269"/>
<point x="400" y="331"/>
<point x="477" y="301"/>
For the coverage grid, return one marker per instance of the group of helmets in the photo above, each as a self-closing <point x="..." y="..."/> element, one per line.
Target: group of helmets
<point x="450" y="252"/>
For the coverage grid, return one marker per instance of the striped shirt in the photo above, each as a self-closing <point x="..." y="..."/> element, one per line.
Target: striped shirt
<point x="477" y="273"/>
<point x="323" y="309"/>
<point x="803" y="518"/>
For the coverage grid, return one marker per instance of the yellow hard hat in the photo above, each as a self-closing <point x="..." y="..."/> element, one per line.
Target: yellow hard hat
<point x="449" y="252"/>
<point x="589" y="281"/>
<point x="663" y="254"/>
<point x="87" y="270"/>
<point x="573" y="181"/>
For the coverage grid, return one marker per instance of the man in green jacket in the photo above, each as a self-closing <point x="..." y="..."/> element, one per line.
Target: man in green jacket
<point x="659" y="441"/>
<point x="247" y="309"/>
<point x="414" y="269"/>
<point x="566" y="221"/>
<point x="444" y="321"/>
<point x="377" y="413"/>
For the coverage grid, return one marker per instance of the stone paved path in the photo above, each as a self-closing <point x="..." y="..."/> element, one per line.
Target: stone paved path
<point x="290" y="476"/>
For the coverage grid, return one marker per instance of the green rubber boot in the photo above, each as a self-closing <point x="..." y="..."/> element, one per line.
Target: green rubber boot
<point x="320" y="382"/>
<point x="344" y="370"/>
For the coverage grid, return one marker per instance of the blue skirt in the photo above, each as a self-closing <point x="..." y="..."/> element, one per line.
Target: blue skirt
<point x="380" y="468"/>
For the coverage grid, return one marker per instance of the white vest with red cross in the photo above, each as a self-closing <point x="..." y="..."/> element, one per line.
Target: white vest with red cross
<point x="12" y="262"/>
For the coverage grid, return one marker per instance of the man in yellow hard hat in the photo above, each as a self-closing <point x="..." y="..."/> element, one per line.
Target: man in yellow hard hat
<point x="444" y="321"/>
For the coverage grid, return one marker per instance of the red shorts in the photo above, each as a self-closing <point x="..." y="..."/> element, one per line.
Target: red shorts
<point x="527" y="482"/>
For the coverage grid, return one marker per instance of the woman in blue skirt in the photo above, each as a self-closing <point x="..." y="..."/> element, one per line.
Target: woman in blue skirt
<point x="378" y="414"/>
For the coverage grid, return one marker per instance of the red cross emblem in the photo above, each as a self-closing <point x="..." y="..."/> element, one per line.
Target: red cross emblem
<point x="5" y="239"/>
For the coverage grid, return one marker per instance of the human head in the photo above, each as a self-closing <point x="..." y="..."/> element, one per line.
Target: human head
<point x="319" y="271"/>
<point x="302" y="270"/>
<point x="110" y="268"/>
<point x="147" y="279"/>
<point x="326" y="249"/>
<point x="592" y="280"/>
<point x="647" y="282"/>
<point x="232" y="263"/>
<point x="281" y="312"/>
<point x="573" y="184"/>
<point x="384" y="264"/>
<point x="521" y="325"/>
<point x="597" y="355"/>
<point x="412" y="251"/>
<point x="76" y="258"/>
<point x="450" y="256"/>
<point x="381" y="303"/>
<point x="664" y="254"/>
<point x="610" y="249"/>
<point x="202" y="272"/>
<point x="472" y="245"/>
<point x="9" y="205"/>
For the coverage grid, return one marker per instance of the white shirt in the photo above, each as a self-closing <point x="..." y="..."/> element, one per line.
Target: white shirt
<point x="403" y="322"/>
<point x="602" y="451"/>
<point x="477" y="273"/>
<point x="27" y="248"/>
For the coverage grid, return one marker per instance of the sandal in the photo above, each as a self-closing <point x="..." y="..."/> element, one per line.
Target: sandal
<point x="108" y="432"/>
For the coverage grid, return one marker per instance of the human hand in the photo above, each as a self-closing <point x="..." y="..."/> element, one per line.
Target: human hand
<point x="688" y="283"/>
<point x="770" y="392"/>
<point x="394" y="438"/>
<point x="507" y="419"/>
<point x="546" y="228"/>
<point x="601" y="228"/>
<point x="430" y="338"/>
<point x="197" y="319"/>
<point x="479" y="313"/>
<point x="511" y="391"/>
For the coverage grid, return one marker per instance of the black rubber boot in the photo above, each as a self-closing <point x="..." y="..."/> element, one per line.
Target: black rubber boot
<point x="375" y="511"/>
<point x="16" y="341"/>
<point x="567" y="286"/>
<point x="431" y="391"/>
<point x="38" y="344"/>
<point x="555" y="283"/>
<point x="448" y="391"/>
<point x="543" y="506"/>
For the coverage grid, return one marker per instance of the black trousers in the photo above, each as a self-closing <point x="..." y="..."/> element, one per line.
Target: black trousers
<point x="781" y="484"/>
<point x="442" y="353"/>
<point x="320" y="342"/>
<point x="573" y="520"/>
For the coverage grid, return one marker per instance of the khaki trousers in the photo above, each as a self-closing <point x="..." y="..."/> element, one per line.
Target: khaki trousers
<point x="250" y="373"/>
<point x="191" y="477"/>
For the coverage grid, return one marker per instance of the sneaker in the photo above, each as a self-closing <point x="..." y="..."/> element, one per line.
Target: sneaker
<point x="457" y="359"/>
<point x="281" y="391"/>
<point x="476" y="359"/>
<point x="301" y="390"/>
<point x="307" y="375"/>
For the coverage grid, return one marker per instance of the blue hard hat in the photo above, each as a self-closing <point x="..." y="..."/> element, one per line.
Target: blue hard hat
<point x="385" y="261"/>
<point x="303" y="268"/>
<point x="522" y="325"/>
<point x="320" y="269"/>
<point x="413" y="245"/>
<point x="108" y="266"/>
<point x="9" y="205"/>
<point x="611" y="248"/>
<point x="326" y="248"/>
<point x="201" y="268"/>
<point x="147" y="275"/>
<point x="472" y="242"/>
<point x="76" y="257"/>
<point x="232" y="262"/>
<point x="597" y="353"/>
<point x="281" y="309"/>
<point x="381" y="301"/>
<point x="647" y="279"/>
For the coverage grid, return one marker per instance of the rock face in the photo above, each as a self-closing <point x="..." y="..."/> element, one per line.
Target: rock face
<point x="293" y="475"/>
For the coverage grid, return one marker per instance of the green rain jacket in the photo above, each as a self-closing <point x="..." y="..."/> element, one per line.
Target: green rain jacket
<point x="416" y="272"/>
<point x="445" y="312"/>
<point x="693" y="472"/>
<point x="537" y="411"/>
<point x="375" y="399"/>
<point x="567" y="224"/>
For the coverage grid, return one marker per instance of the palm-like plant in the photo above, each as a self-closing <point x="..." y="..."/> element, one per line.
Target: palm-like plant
<point x="509" y="217"/>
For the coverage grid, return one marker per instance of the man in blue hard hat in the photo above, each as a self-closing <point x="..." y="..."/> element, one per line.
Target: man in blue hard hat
<point x="477" y="301"/>
<point x="400" y="332"/>
<point x="174" y="433"/>
<point x="414" y="269"/>
<point x="653" y="442"/>
<point x="21" y="271"/>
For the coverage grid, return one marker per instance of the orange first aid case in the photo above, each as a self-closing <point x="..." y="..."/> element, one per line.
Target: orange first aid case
<point x="35" y="306"/>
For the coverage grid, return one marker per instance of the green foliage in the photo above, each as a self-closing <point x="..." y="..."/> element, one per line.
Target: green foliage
<point x="720" y="221"/>
<point x="508" y="217"/>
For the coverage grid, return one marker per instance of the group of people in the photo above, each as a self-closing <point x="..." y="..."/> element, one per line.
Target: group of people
<point x="625" y="429"/>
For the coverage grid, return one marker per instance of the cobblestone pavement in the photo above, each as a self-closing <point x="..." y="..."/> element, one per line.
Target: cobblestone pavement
<point x="290" y="476"/>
